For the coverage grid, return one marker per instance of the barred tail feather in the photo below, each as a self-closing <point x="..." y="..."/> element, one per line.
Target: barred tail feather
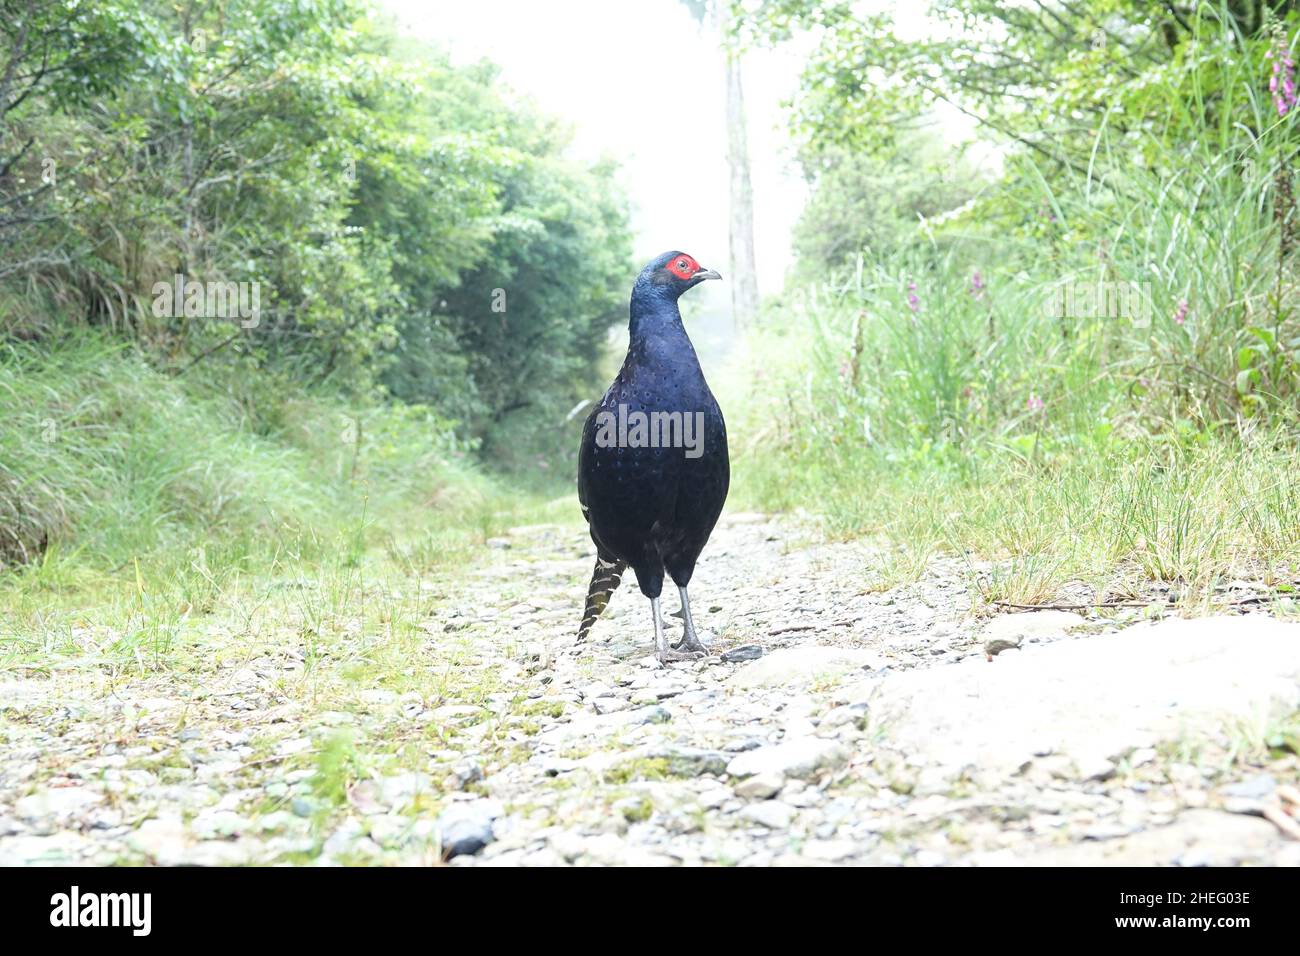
<point x="604" y="579"/>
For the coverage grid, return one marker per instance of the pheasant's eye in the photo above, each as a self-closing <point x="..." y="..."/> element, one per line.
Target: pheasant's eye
<point x="681" y="263"/>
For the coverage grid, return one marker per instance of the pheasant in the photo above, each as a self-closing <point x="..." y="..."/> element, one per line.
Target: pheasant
<point x="653" y="469"/>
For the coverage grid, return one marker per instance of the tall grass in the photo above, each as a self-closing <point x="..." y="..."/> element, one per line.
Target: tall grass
<point x="106" y="462"/>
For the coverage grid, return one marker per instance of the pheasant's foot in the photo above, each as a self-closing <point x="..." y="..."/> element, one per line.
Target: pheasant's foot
<point x="691" y="644"/>
<point x="670" y="655"/>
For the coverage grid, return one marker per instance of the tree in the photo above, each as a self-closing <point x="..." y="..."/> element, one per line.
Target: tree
<point x="740" y="231"/>
<point x="374" y="195"/>
<point x="69" y="53"/>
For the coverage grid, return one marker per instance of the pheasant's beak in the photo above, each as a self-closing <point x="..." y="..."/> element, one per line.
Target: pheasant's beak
<point x="707" y="274"/>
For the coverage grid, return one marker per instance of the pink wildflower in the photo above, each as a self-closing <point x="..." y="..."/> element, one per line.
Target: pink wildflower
<point x="1282" y="83"/>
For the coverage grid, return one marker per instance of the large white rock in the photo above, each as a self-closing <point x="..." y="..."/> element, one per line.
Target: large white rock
<point x="1095" y="698"/>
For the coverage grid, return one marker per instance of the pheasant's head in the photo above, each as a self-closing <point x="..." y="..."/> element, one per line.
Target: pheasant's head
<point x="673" y="273"/>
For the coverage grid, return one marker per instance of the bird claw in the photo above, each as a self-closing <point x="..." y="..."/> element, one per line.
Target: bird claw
<point x="671" y="655"/>
<point x="692" y="644"/>
<point x="688" y="648"/>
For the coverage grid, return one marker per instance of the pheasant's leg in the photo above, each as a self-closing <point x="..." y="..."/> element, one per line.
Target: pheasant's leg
<point x="665" y="653"/>
<point x="690" y="641"/>
<point x="661" y="643"/>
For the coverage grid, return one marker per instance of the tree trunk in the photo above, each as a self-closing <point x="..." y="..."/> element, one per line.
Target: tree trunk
<point x="744" y="273"/>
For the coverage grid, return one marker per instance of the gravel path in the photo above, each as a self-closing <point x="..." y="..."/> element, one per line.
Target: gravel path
<point x="454" y="718"/>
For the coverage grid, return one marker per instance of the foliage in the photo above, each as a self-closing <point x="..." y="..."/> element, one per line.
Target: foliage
<point x="1170" y="171"/>
<point x="864" y="203"/>
<point x="373" y="195"/>
<point x="936" y="388"/>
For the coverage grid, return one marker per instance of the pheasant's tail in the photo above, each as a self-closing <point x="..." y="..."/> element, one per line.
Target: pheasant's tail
<point x="608" y="573"/>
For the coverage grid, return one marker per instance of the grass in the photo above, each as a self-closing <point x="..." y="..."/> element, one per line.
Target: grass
<point x="1193" y="518"/>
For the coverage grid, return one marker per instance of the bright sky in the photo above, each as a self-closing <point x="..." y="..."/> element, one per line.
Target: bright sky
<point x="640" y="81"/>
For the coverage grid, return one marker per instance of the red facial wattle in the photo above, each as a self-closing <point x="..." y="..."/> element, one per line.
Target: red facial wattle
<point x="683" y="266"/>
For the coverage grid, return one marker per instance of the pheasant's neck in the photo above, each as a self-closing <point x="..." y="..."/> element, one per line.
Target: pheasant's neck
<point x="654" y="314"/>
<point x="658" y="340"/>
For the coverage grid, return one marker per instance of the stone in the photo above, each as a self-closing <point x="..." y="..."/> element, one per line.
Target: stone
<point x="830" y="851"/>
<point x="807" y="797"/>
<point x="463" y="774"/>
<point x="294" y="745"/>
<point x="797" y="727"/>
<point x="568" y="844"/>
<point x="57" y="849"/>
<point x="59" y="803"/>
<point x="401" y="790"/>
<point x="554" y="766"/>
<point x="770" y="813"/>
<point x="466" y="828"/>
<point x="344" y="839"/>
<point x="212" y="823"/>
<point x="593" y="725"/>
<point x="1196" y="838"/>
<point x="802" y="665"/>
<point x="841" y="716"/>
<point x="761" y="786"/>
<point x="221" y="853"/>
<point x="714" y="798"/>
<point x="163" y="839"/>
<point x="693" y="761"/>
<point x="1142" y="756"/>
<point x="1244" y="805"/>
<point x="799" y="758"/>
<point x="1258" y="787"/>
<point x="1096" y="769"/>
<point x="593" y="691"/>
<point x="748" y="652"/>
<point x="1096" y="699"/>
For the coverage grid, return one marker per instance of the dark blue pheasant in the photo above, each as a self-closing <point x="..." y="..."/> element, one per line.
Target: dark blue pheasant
<point x="653" y="468"/>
